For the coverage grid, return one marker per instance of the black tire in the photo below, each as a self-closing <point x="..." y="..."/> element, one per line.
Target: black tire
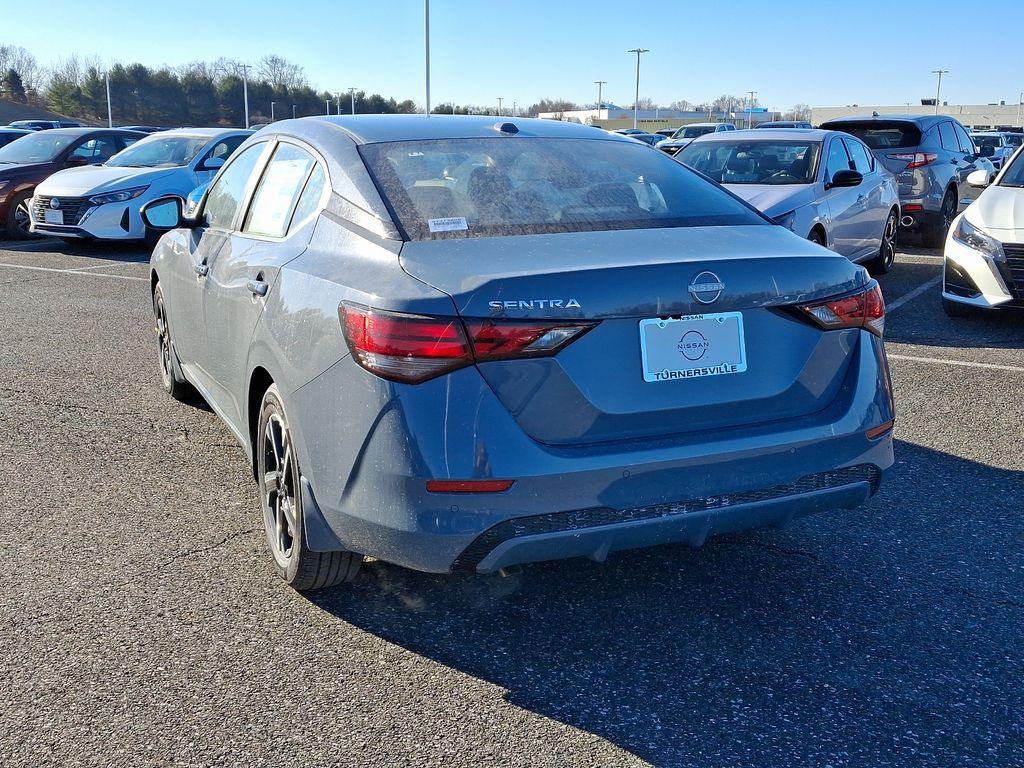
<point x="16" y="226"/>
<point x="959" y="311"/>
<point x="934" y="236"/>
<point x="817" y="237"/>
<point x="277" y="473"/>
<point x="886" y="257"/>
<point x="177" y="388"/>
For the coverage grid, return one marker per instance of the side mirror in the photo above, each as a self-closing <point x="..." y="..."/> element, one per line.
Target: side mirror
<point x="163" y="214"/>
<point x="978" y="178"/>
<point x="847" y="179"/>
<point x="211" y="164"/>
<point x="987" y="151"/>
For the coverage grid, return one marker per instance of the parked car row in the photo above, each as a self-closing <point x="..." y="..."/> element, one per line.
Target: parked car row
<point x="461" y="345"/>
<point x="90" y="183"/>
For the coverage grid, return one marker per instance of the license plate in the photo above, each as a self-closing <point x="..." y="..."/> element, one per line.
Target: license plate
<point x="692" y="346"/>
<point x="54" y="217"/>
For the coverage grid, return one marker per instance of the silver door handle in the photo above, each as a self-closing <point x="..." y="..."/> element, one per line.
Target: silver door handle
<point x="258" y="287"/>
<point x="202" y="269"/>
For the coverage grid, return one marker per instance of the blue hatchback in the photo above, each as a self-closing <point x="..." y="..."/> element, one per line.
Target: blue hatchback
<point x="458" y="344"/>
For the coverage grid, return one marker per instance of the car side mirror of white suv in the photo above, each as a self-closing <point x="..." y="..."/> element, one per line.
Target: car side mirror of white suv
<point x="978" y="178"/>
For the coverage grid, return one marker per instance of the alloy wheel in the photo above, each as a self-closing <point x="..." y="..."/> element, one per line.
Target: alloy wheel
<point x="948" y="212"/>
<point x="22" y="218"/>
<point x="279" y="488"/>
<point x="163" y="342"/>
<point x="889" y="241"/>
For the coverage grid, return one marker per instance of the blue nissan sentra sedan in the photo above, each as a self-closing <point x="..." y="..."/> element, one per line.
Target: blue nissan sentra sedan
<point x="462" y="343"/>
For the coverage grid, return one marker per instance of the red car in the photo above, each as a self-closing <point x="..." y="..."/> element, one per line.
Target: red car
<point x="28" y="160"/>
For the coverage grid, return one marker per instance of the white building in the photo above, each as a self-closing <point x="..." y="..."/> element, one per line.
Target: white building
<point x="971" y="115"/>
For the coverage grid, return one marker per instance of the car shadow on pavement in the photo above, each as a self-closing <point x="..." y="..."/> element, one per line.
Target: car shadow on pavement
<point x="838" y="636"/>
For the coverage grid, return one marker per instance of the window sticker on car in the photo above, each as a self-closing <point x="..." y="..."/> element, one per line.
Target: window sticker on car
<point x="450" y="224"/>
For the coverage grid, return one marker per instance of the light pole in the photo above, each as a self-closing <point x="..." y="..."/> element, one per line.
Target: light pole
<point x="293" y="111"/>
<point x="328" y="106"/>
<point x="513" y="109"/>
<point x="352" y="94"/>
<point x="599" y="83"/>
<point x="337" y="98"/>
<point x="272" y="110"/>
<point x="245" y="91"/>
<point x="499" y="106"/>
<point x="636" y="100"/>
<point x="110" y="111"/>
<point x="750" y="110"/>
<point x="426" y="51"/>
<point x="1020" y="98"/>
<point x="938" y="88"/>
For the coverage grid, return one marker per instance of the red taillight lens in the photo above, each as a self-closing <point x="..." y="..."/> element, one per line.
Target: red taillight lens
<point x="915" y="159"/>
<point x="864" y="309"/>
<point x="414" y="348"/>
<point x="468" y="486"/>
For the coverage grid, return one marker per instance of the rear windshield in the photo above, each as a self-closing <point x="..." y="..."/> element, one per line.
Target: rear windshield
<point x="1014" y="139"/>
<point x="754" y="162"/>
<point x="693" y="132"/>
<point x="488" y="187"/>
<point x="987" y="141"/>
<point x="880" y="134"/>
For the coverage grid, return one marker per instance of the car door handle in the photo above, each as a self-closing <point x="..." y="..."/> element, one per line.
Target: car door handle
<point x="202" y="269"/>
<point x="258" y="287"/>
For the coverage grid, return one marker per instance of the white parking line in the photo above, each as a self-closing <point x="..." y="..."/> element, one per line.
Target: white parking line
<point x="962" y="363"/>
<point x="911" y="295"/>
<point x="76" y="272"/>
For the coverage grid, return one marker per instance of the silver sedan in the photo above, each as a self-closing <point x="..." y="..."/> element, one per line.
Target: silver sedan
<point x="823" y="185"/>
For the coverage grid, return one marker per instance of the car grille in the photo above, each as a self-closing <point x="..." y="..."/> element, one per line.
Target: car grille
<point x="1013" y="270"/>
<point x="588" y="518"/>
<point x="74" y="208"/>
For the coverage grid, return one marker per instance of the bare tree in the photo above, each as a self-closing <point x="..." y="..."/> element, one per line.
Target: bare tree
<point x="24" y="63"/>
<point x="682" y="105"/>
<point x="798" y="112"/>
<point x="280" y="73"/>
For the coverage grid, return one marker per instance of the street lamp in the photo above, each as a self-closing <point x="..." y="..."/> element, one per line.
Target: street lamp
<point x="636" y="100"/>
<point x="110" y="111"/>
<point x="938" y="88"/>
<point x="352" y="94"/>
<point x="426" y="51"/>
<point x="599" y="83"/>
<point x="272" y="110"/>
<point x="499" y="106"/>
<point x="750" y="109"/>
<point x="328" y="106"/>
<point x="293" y="111"/>
<point x="1020" y="98"/>
<point x="245" y="91"/>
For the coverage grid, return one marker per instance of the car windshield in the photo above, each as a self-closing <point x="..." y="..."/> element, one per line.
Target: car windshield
<point x="754" y="162"/>
<point x="1014" y="174"/>
<point x="692" y="132"/>
<point x="879" y="134"/>
<point x="518" y="186"/>
<point x="987" y="141"/>
<point x="160" y="152"/>
<point x="35" y="148"/>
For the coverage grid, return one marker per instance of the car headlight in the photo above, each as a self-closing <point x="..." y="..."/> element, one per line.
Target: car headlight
<point x="787" y="220"/>
<point x="118" y="197"/>
<point x="977" y="240"/>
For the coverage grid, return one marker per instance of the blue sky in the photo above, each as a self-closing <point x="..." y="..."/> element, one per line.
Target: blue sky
<point x="812" y="52"/>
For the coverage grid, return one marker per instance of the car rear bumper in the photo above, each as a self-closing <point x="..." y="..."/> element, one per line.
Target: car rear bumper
<point x="369" y="491"/>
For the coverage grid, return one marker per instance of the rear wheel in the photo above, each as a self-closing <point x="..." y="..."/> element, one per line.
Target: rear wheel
<point x="18" y="218"/>
<point x="883" y="262"/>
<point x="818" y="237"/>
<point x="277" y="472"/>
<point x="935" y="235"/>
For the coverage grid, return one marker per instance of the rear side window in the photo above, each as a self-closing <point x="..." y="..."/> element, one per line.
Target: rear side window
<point x="947" y="137"/>
<point x="485" y="187"/>
<point x="966" y="144"/>
<point x="862" y="160"/>
<point x="880" y="134"/>
<point x="227" y="192"/>
<point x="282" y="181"/>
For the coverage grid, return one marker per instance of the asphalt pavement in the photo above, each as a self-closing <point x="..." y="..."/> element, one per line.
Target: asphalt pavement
<point x="142" y="625"/>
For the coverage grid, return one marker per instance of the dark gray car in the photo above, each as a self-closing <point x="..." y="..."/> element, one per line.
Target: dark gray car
<point x="931" y="156"/>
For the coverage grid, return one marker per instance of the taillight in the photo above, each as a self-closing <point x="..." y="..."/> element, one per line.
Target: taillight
<point x="414" y="348"/>
<point x="915" y="159"/>
<point x="864" y="309"/>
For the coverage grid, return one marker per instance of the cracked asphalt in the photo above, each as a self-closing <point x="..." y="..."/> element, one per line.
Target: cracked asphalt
<point x="141" y="624"/>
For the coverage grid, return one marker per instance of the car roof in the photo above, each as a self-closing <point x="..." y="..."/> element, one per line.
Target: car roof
<point x="767" y="134"/>
<point x="211" y="133"/>
<point x="987" y="133"/>
<point x="373" y="129"/>
<point x="924" y="121"/>
<point x="699" y="125"/>
<point x="73" y="132"/>
<point x="14" y="129"/>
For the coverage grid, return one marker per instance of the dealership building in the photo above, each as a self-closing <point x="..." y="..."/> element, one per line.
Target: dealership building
<point x="613" y="117"/>
<point x="980" y="116"/>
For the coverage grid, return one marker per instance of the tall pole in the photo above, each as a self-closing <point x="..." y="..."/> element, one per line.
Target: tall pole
<point x="938" y="88"/>
<point x="599" y="83"/>
<point x="513" y="109"/>
<point x="499" y="106"/>
<point x="337" y="101"/>
<point x="1020" y="98"/>
<point x="328" y="106"/>
<point x="636" y="99"/>
<point x="293" y="111"/>
<point x="110" y="111"/>
<point x="426" y="51"/>
<point x="245" y="91"/>
<point x="352" y="94"/>
<point x="272" y="110"/>
<point x="750" y="110"/>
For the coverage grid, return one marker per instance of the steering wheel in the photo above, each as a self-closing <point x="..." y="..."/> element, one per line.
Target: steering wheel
<point x="781" y="175"/>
